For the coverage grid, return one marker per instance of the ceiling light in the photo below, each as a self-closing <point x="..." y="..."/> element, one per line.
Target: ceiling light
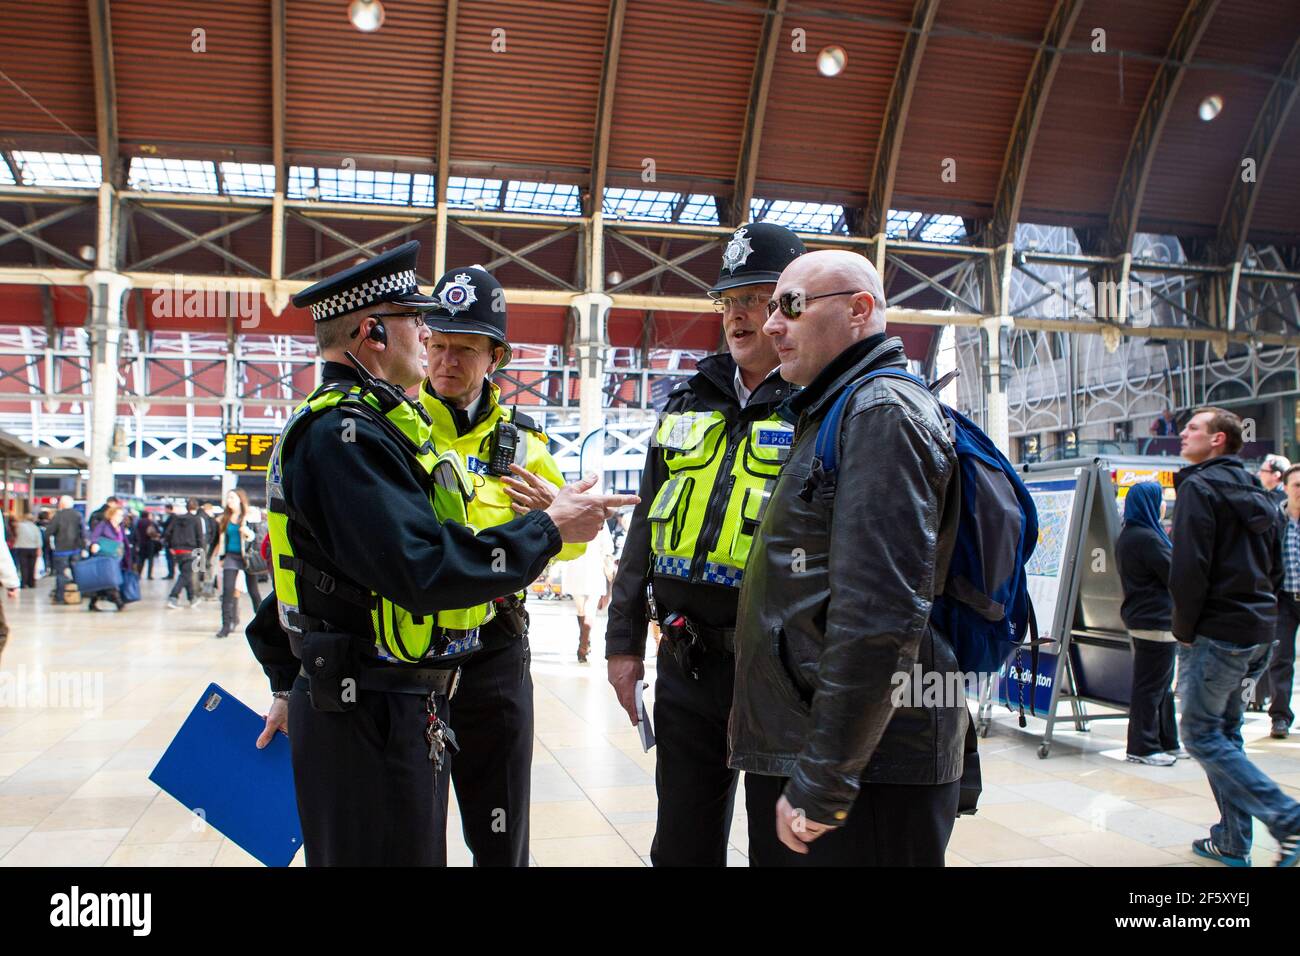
<point x="366" y="15"/>
<point x="87" y="253"/>
<point x="831" y="61"/>
<point x="614" y="278"/>
<point x="1210" y="107"/>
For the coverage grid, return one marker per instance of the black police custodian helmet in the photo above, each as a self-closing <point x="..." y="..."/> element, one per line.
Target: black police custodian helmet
<point x="757" y="252"/>
<point x="469" y="301"/>
<point x="388" y="277"/>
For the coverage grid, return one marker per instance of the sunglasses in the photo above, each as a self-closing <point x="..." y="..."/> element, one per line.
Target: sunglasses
<point x="792" y="304"/>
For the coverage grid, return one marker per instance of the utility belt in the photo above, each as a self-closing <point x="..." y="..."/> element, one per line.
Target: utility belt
<point x="333" y="670"/>
<point x="331" y="657"/>
<point x="688" y="641"/>
<point x="511" y="620"/>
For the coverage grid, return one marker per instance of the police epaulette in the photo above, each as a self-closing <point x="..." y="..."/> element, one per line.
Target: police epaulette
<point x="523" y="421"/>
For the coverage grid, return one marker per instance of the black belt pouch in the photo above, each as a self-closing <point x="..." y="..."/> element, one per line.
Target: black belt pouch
<point x="329" y="658"/>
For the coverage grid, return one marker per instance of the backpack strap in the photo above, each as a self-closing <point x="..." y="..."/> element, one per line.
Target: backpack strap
<point x="826" y="453"/>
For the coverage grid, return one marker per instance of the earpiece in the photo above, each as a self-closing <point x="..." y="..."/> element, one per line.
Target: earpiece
<point x="378" y="334"/>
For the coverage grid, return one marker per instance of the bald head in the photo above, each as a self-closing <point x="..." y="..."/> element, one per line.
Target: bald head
<point x="839" y="300"/>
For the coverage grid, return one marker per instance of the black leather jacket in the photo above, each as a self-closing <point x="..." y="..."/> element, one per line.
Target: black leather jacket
<point x="833" y="613"/>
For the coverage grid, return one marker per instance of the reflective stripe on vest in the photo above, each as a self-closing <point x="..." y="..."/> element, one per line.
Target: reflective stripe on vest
<point x="704" y="517"/>
<point x="398" y="633"/>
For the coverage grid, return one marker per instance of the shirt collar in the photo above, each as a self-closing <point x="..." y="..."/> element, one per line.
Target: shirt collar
<point x="743" y="394"/>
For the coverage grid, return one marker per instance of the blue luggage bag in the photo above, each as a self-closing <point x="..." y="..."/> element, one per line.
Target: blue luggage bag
<point x="97" y="574"/>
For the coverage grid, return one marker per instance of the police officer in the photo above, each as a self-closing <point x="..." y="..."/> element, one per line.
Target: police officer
<point x="373" y="564"/>
<point x="713" y="462"/>
<point x="492" y="715"/>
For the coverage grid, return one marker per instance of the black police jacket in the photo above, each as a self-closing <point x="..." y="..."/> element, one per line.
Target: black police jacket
<point x="1143" y="560"/>
<point x="1227" y="561"/>
<point x="364" y="516"/>
<point x="711" y="388"/>
<point x="835" y="604"/>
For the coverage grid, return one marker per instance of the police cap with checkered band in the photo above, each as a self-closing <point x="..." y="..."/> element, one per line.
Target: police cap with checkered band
<point x="757" y="253"/>
<point x="388" y="277"/>
<point x="469" y="301"/>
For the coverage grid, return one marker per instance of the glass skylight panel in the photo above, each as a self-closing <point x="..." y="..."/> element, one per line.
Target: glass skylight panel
<point x="248" y="179"/>
<point x="944" y="229"/>
<point x="652" y="205"/>
<point x="900" y="223"/>
<point x="699" y="208"/>
<point x="172" y="175"/>
<point x="799" y="216"/>
<point x="341" y="184"/>
<point x="6" y="177"/>
<point x="470" y="193"/>
<point x="57" y="169"/>
<point x="523" y="196"/>
<point x="648" y="204"/>
<point x="423" y="190"/>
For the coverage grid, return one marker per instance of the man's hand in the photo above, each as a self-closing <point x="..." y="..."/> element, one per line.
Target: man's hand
<point x="579" y="515"/>
<point x="528" y="492"/>
<point x="277" y="719"/>
<point x="624" y="671"/>
<point x="794" y="829"/>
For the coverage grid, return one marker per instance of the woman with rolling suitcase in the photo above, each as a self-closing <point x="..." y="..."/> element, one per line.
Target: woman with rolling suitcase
<point x="108" y="538"/>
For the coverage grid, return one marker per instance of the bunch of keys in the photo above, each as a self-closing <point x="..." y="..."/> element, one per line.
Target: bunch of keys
<point x="439" y="735"/>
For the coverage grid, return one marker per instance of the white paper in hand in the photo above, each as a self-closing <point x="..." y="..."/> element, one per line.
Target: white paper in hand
<point x="643" y="718"/>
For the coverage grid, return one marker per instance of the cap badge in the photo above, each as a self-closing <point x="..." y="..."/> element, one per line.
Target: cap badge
<point x="458" y="294"/>
<point x="737" y="251"/>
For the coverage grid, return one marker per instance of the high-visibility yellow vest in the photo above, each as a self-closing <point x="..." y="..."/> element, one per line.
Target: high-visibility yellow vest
<point x="490" y="505"/>
<point x="398" y="633"/>
<point x="705" y="515"/>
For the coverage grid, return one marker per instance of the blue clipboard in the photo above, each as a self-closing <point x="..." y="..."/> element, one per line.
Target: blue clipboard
<point x="214" y="767"/>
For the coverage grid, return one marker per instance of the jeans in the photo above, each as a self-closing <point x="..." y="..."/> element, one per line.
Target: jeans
<point x="1215" y="678"/>
<point x="62" y="573"/>
<point x="184" y="576"/>
<point x="1281" y="672"/>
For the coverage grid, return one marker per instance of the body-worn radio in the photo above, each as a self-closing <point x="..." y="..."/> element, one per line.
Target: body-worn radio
<point x="501" y="451"/>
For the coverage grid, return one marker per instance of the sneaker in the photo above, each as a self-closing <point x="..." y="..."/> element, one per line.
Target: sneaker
<point x="1206" y="848"/>
<point x="1179" y="754"/>
<point x="1281" y="729"/>
<point x="171" y="604"/>
<point x="1288" y="850"/>
<point x="196" y="602"/>
<point x="1154" y="760"/>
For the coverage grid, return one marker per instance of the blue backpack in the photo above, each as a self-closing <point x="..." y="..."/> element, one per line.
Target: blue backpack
<point x="984" y="609"/>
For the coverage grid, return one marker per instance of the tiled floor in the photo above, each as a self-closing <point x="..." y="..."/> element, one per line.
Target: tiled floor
<point x="74" y="786"/>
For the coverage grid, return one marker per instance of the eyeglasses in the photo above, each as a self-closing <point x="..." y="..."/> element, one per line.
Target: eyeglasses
<point x="792" y="304"/>
<point x="389" y="316"/>
<point x="725" y="303"/>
